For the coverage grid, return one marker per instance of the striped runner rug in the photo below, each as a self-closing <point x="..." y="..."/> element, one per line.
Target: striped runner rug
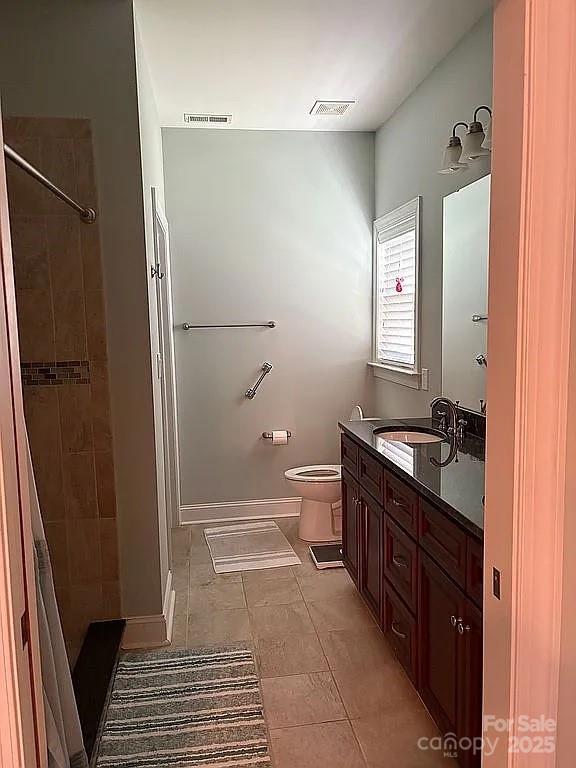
<point x="249" y="547"/>
<point x="199" y="707"/>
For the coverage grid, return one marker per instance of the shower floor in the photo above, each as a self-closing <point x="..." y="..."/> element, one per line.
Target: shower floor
<point x="334" y="695"/>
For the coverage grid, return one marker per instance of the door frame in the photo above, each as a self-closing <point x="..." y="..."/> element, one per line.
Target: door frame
<point x="531" y="361"/>
<point x="22" y="725"/>
<point x="166" y="328"/>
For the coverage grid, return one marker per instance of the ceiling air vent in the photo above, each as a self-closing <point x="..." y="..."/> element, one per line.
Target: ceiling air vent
<point x="203" y="120"/>
<point x="331" y="108"/>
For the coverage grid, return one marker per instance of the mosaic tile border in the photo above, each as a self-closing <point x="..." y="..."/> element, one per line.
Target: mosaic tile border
<point x="54" y="372"/>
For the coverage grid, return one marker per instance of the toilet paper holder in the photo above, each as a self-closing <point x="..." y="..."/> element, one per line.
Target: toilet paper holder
<point x="268" y="435"/>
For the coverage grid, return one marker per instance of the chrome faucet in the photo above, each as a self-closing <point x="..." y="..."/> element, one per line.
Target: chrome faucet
<point x="453" y="410"/>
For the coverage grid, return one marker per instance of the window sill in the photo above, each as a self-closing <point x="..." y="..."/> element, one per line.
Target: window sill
<point x="400" y="376"/>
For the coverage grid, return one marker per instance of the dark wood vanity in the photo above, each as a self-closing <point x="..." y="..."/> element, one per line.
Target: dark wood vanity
<point x="419" y="570"/>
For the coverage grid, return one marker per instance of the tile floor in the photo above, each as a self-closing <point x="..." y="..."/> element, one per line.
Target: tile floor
<point x="334" y="696"/>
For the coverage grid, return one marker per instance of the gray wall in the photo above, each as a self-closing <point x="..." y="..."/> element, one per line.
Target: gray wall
<point x="152" y="176"/>
<point x="409" y="150"/>
<point x="75" y="58"/>
<point x="267" y="225"/>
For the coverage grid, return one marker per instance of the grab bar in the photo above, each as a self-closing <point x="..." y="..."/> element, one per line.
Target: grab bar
<point x="251" y="393"/>
<point x="192" y="327"/>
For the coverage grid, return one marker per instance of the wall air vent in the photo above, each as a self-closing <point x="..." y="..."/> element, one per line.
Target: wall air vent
<point x="204" y="120"/>
<point x="331" y="108"/>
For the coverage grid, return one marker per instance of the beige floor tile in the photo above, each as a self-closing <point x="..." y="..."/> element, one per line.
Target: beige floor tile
<point x="280" y="592"/>
<point x="288" y="525"/>
<point x="325" y="585"/>
<point x="212" y="627"/>
<point x="340" y="613"/>
<point x="181" y="606"/>
<point x="306" y="568"/>
<point x="329" y="745"/>
<point x="281" y="620"/>
<point x="204" y="575"/>
<point x="301" y="700"/>
<point x="199" y="555"/>
<point x="391" y="739"/>
<point x="216" y="596"/>
<point x="290" y="655"/>
<point x="360" y="649"/>
<point x="179" y="629"/>
<point x="366" y="691"/>
<point x="268" y="574"/>
<point x="180" y="542"/>
<point x="180" y="576"/>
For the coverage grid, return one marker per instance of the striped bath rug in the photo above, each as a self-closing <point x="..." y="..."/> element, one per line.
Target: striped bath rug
<point x="249" y="547"/>
<point x="199" y="708"/>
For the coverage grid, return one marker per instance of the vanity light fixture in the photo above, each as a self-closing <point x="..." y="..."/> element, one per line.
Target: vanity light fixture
<point x="473" y="146"/>
<point x="453" y="152"/>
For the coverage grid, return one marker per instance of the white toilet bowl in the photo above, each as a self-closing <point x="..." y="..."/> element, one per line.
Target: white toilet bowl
<point x="321" y="513"/>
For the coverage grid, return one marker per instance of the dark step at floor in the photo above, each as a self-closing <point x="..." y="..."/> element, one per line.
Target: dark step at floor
<point x="93" y="675"/>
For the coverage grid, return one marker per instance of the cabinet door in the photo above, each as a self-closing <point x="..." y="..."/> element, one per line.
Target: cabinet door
<point x="471" y="676"/>
<point x="350" y="525"/>
<point x="372" y="516"/>
<point x="440" y="646"/>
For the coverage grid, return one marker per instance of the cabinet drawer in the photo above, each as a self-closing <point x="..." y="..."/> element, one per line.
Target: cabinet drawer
<point x="349" y="455"/>
<point x="401" y="632"/>
<point x="475" y="571"/>
<point x="401" y="563"/>
<point x="401" y="503"/>
<point x="444" y="541"/>
<point x="371" y="475"/>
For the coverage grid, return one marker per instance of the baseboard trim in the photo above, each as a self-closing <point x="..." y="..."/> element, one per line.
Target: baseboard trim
<point x="153" y="631"/>
<point x="229" y="511"/>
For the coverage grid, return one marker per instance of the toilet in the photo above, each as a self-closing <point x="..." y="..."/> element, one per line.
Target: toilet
<point x="321" y="513"/>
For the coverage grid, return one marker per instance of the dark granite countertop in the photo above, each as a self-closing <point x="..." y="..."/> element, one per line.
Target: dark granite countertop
<point x="457" y="488"/>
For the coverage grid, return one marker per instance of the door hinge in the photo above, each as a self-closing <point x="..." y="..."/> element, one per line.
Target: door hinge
<point x="25" y="626"/>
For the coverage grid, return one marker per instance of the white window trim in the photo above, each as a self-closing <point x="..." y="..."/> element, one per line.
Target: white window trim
<point x="395" y="373"/>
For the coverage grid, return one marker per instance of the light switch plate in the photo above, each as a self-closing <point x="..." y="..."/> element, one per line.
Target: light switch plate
<point x="424" y="379"/>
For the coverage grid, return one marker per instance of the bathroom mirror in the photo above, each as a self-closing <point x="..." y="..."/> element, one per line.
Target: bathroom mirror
<point x="465" y="294"/>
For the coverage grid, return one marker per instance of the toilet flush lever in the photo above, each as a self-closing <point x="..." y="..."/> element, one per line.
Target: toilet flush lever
<point x="251" y="393"/>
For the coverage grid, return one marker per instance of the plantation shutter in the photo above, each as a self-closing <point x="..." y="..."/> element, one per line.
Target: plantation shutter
<point x="396" y="287"/>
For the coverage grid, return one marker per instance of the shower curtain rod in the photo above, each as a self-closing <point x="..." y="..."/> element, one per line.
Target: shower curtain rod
<point x="88" y="215"/>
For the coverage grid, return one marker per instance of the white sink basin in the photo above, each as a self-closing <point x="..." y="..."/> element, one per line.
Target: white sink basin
<point x="407" y="436"/>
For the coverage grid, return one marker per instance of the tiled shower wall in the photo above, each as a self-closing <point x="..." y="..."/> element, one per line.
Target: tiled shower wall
<point x="62" y="327"/>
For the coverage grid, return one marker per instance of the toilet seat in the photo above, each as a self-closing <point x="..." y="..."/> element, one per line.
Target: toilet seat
<point x="315" y="473"/>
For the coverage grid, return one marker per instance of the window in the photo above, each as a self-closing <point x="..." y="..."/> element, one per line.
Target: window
<point x="395" y="298"/>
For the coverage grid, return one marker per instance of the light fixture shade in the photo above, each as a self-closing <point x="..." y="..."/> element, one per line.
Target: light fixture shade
<point x="472" y="148"/>
<point x="451" y="162"/>
<point x="487" y="143"/>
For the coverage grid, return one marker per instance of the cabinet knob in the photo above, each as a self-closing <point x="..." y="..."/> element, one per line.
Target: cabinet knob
<point x="453" y="620"/>
<point x="462" y="628"/>
<point x="400" y="562"/>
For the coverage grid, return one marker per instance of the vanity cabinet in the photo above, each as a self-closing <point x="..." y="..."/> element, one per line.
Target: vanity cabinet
<point x="420" y="573"/>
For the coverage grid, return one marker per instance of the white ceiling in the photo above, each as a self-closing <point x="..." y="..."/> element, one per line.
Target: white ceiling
<point x="268" y="61"/>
